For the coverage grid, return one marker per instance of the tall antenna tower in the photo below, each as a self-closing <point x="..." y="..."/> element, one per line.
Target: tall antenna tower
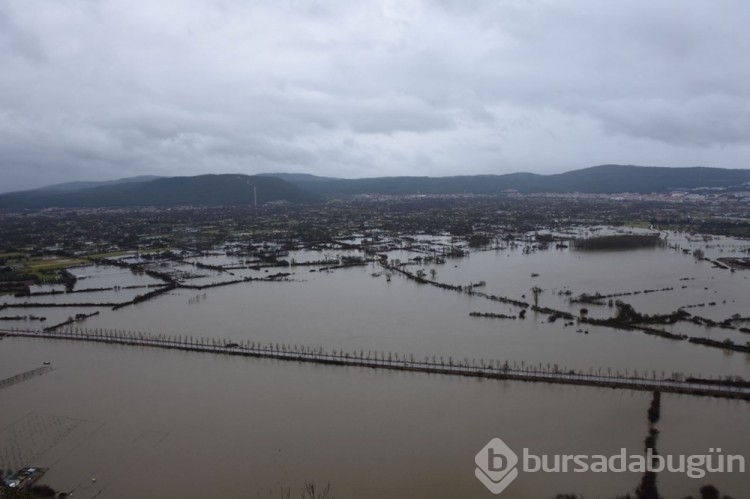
<point x="255" y="193"/>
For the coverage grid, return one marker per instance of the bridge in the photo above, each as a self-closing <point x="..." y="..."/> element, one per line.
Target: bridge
<point x="690" y="386"/>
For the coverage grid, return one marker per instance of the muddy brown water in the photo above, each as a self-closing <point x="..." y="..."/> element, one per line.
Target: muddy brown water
<point x="149" y="423"/>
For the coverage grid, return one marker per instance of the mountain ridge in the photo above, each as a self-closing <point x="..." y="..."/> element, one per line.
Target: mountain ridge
<point x="601" y="179"/>
<point x="229" y="189"/>
<point x="209" y="190"/>
<point x="88" y="184"/>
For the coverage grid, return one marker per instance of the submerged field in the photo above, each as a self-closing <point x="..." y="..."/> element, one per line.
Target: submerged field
<point x="253" y="426"/>
<point x="278" y="423"/>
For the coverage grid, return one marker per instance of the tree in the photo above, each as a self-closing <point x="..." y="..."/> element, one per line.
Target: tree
<point x="709" y="492"/>
<point x="647" y="488"/>
<point x="311" y="491"/>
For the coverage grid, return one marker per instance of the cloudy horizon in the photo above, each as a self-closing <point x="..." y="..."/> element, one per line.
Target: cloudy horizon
<point x="99" y="90"/>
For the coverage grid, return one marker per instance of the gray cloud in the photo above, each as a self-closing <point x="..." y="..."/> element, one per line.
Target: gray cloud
<point x="98" y="90"/>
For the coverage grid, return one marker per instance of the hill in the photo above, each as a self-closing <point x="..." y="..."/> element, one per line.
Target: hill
<point x="297" y="177"/>
<point x="604" y="179"/>
<point x="644" y="179"/>
<point x="230" y="189"/>
<point x="227" y="189"/>
<point x="78" y="186"/>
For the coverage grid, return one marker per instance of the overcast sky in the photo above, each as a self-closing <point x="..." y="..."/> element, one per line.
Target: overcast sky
<point x="103" y="89"/>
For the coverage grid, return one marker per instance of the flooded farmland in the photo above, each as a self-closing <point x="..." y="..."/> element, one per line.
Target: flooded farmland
<point x="139" y="412"/>
<point x="172" y="418"/>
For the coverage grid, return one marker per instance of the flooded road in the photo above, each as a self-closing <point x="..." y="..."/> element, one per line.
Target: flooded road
<point x="351" y="310"/>
<point x="149" y="423"/>
<point x="166" y="424"/>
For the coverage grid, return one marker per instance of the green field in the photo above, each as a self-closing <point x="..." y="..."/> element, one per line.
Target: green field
<point x="44" y="268"/>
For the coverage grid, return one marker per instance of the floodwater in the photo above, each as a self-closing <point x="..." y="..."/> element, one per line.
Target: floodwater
<point x="351" y="310"/>
<point x="150" y="423"/>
